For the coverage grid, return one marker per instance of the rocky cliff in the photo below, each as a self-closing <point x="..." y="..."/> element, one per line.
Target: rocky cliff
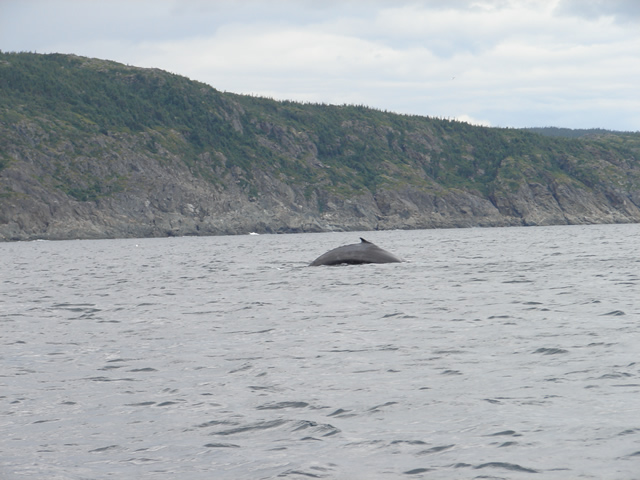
<point x="95" y="149"/>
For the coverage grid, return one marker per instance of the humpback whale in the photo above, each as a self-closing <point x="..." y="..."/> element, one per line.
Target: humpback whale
<point x="355" y="254"/>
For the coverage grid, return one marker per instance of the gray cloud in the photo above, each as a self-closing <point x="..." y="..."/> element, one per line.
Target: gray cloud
<point x="621" y="10"/>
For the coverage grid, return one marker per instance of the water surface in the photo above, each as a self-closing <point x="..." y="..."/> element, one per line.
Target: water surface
<point x="490" y="353"/>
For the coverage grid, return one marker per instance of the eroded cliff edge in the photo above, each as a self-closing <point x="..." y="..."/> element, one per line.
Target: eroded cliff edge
<point x="95" y="149"/>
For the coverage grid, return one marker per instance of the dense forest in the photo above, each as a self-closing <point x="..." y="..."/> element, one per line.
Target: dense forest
<point x="79" y="127"/>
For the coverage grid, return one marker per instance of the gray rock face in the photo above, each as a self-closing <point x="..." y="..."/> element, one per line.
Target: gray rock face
<point x="162" y="201"/>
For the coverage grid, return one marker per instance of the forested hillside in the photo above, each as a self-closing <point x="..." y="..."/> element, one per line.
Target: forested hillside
<point x="91" y="149"/>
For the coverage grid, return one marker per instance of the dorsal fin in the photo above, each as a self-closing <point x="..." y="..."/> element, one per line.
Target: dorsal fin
<point x="362" y="240"/>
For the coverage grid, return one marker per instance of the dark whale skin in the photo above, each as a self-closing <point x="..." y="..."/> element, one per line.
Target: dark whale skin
<point x="356" y="254"/>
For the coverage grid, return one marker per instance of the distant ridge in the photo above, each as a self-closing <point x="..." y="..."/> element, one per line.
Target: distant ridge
<point x="573" y="132"/>
<point x="91" y="148"/>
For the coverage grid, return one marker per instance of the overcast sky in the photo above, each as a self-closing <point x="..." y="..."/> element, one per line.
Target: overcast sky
<point x="507" y="63"/>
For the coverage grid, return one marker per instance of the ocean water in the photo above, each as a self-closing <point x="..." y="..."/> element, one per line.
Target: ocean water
<point x="491" y="353"/>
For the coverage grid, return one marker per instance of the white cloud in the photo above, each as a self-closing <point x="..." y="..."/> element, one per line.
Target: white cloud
<point x="473" y="121"/>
